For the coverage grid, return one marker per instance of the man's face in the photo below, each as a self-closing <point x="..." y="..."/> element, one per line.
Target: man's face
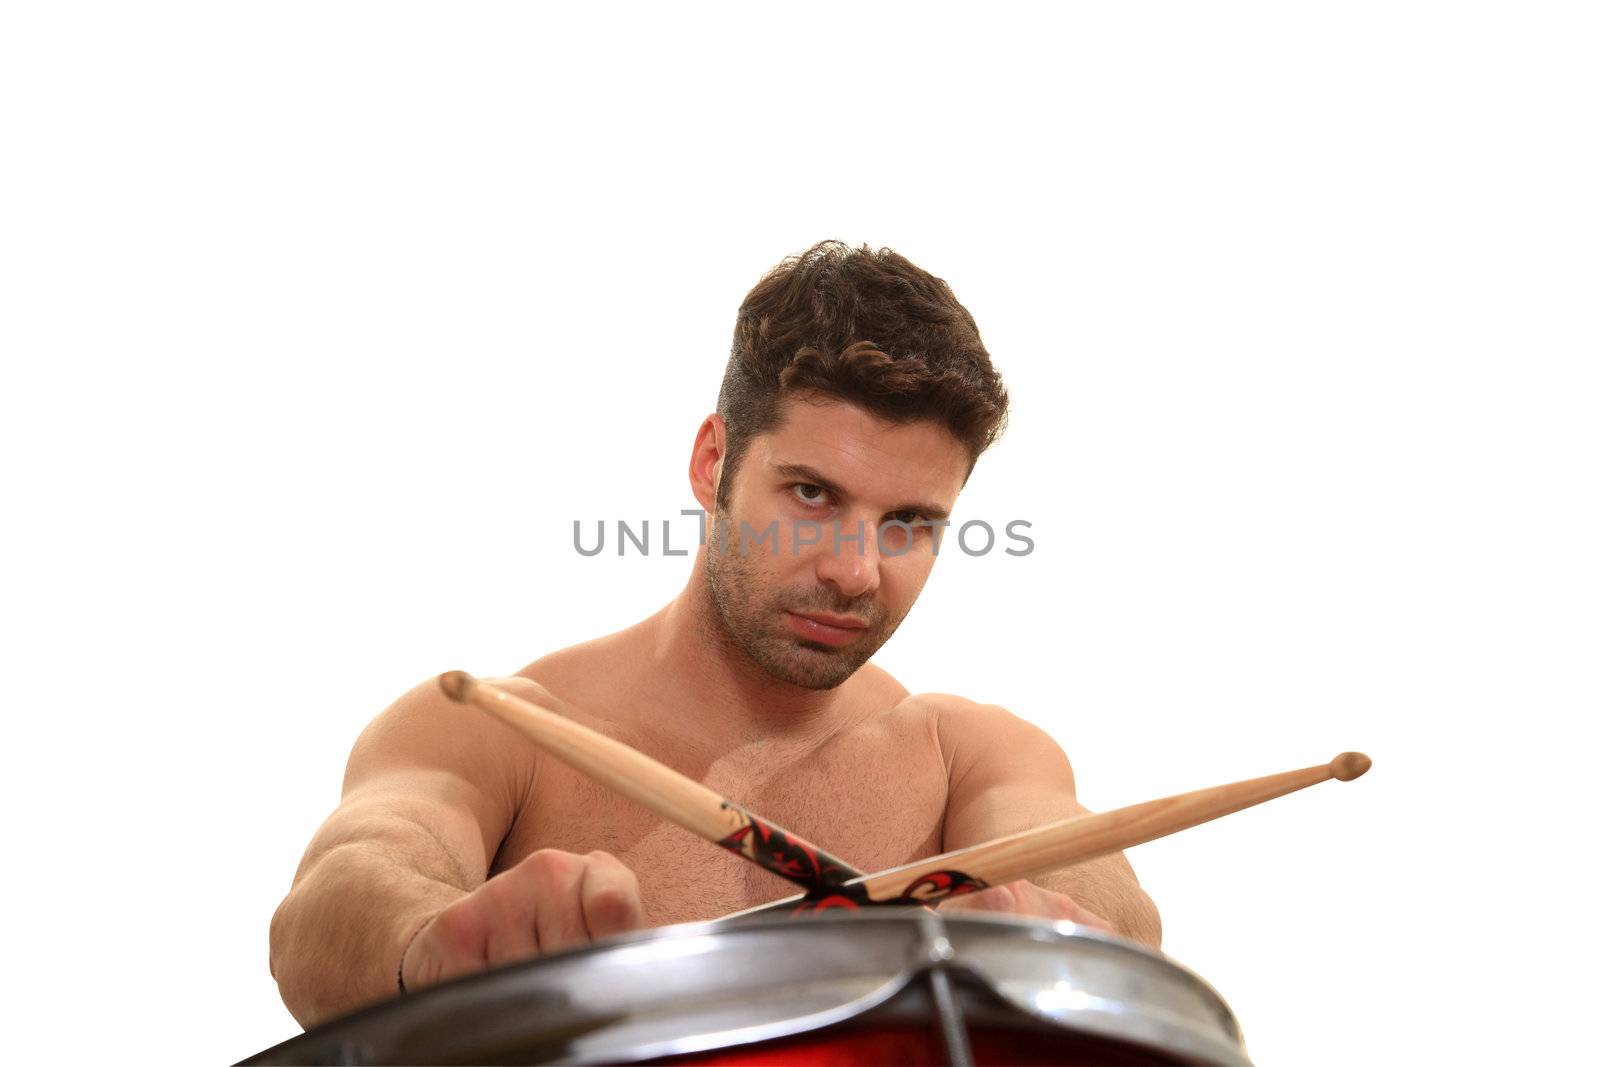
<point x="791" y="583"/>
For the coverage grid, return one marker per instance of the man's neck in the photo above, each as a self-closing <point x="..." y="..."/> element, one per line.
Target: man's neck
<point x="724" y="694"/>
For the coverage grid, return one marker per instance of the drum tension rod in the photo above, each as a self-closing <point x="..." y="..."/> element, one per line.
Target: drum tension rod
<point x="952" y="1024"/>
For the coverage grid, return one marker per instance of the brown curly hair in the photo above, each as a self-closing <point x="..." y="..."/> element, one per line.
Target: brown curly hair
<point x="866" y="326"/>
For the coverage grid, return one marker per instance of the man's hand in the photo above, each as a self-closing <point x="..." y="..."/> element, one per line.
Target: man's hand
<point x="549" y="901"/>
<point x="1025" y="898"/>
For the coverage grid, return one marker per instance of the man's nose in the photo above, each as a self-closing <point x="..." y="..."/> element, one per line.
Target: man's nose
<point x="848" y="560"/>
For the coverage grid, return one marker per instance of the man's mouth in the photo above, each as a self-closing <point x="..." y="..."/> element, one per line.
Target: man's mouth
<point x="825" y="628"/>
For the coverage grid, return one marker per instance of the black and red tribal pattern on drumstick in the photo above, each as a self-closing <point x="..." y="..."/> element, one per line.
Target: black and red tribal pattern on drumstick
<point x="929" y="889"/>
<point x="786" y="855"/>
<point x="832" y="884"/>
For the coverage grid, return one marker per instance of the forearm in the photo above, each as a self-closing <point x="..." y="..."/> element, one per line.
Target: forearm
<point x="338" y="936"/>
<point x="1107" y="887"/>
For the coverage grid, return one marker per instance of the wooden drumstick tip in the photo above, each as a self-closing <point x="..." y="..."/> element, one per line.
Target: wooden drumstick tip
<point x="1350" y="765"/>
<point x="455" y="684"/>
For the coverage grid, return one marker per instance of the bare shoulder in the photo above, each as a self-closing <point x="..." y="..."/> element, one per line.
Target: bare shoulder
<point x="424" y="730"/>
<point x="971" y="733"/>
<point x="584" y="673"/>
<point x="961" y="718"/>
<point x="878" y="687"/>
<point x="426" y="747"/>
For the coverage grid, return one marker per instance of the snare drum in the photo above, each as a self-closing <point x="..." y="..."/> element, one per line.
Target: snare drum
<point x="877" y="987"/>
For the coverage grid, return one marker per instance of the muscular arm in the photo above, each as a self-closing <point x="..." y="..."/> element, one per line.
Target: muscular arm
<point x="429" y="793"/>
<point x="1008" y="775"/>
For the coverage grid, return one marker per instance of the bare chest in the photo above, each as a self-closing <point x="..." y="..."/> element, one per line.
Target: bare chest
<point x="875" y="798"/>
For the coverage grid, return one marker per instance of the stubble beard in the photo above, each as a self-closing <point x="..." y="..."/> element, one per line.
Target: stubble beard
<point x="752" y="623"/>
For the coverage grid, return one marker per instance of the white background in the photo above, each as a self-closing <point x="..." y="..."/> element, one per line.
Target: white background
<point x="322" y="322"/>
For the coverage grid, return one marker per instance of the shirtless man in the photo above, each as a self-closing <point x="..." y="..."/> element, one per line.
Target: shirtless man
<point x="858" y="394"/>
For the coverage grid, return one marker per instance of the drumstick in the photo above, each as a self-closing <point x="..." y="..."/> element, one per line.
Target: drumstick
<point x="1061" y="844"/>
<point x="675" y="797"/>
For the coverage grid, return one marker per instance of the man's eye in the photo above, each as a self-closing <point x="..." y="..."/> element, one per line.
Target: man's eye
<point x="907" y="517"/>
<point x="810" y="494"/>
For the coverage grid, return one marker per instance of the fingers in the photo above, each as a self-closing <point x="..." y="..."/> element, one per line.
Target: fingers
<point x="557" y="908"/>
<point x="508" y="902"/>
<point x="610" y="897"/>
<point x="550" y="901"/>
<point x="1084" y="917"/>
<point x="1025" y="898"/>
<point x="453" y="944"/>
<point x="1001" y="898"/>
<point x="1035" y="900"/>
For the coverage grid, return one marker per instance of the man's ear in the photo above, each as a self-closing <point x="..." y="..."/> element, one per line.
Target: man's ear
<point x="705" y="462"/>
